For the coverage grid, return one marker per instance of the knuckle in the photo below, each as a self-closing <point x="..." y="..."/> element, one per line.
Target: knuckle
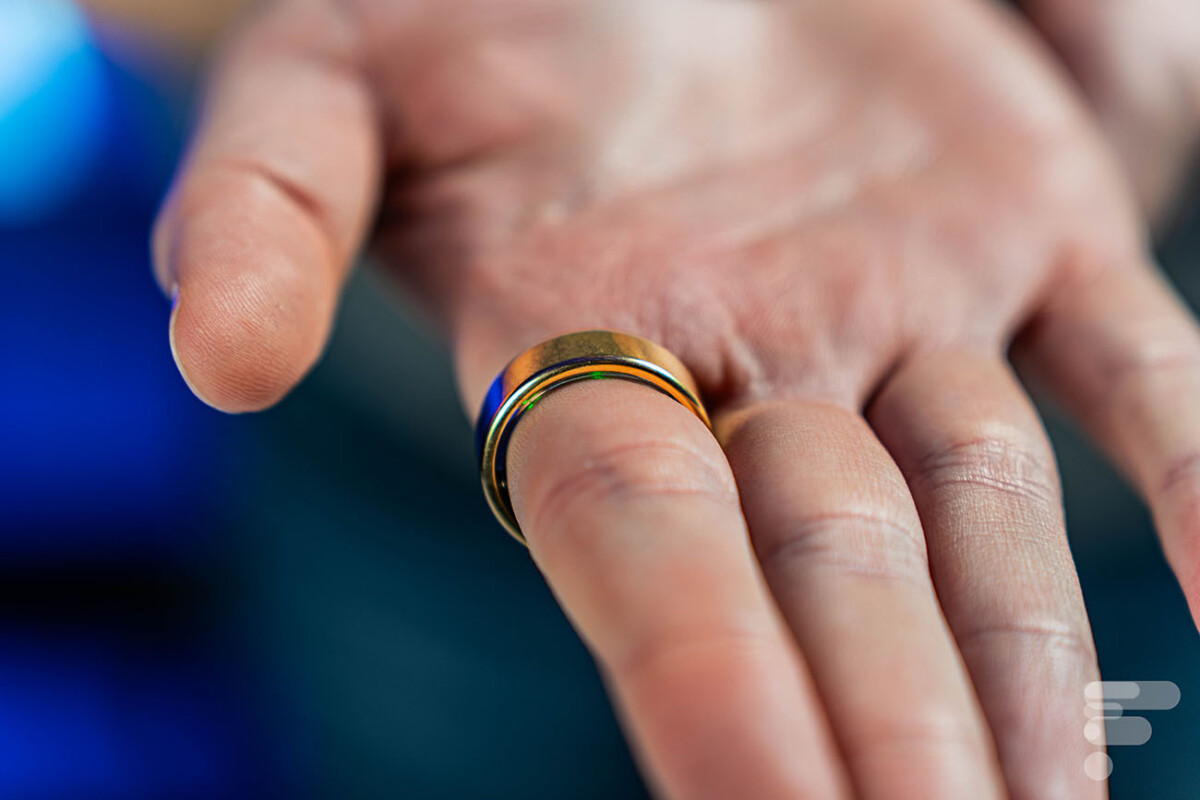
<point x="992" y="463"/>
<point x="860" y="544"/>
<point x="1181" y="478"/>
<point x="1049" y="640"/>
<point x="641" y="469"/>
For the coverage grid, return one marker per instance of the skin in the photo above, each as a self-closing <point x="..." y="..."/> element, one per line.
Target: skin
<point x="1139" y="63"/>
<point x="844" y="217"/>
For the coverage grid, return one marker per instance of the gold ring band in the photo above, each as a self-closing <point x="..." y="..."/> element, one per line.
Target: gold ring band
<point x="554" y="363"/>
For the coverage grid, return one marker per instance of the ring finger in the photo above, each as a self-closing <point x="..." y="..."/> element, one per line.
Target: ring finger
<point x="632" y="515"/>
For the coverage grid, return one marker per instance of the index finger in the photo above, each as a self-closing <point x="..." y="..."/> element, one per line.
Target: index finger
<point x="270" y="206"/>
<point x="632" y="514"/>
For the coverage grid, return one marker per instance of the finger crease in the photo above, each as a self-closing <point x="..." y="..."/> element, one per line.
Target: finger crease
<point x="292" y="192"/>
<point x="638" y="469"/>
<point x="1048" y="636"/>
<point x="860" y="544"/>
<point x="1183" y="472"/>
<point x="990" y="464"/>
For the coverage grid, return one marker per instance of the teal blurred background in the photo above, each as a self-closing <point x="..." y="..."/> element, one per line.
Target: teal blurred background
<point x="314" y="601"/>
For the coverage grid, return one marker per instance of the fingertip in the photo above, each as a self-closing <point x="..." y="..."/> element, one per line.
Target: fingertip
<point x="258" y="285"/>
<point x="1173" y="494"/>
<point x="1188" y="575"/>
<point x="242" y="352"/>
<point x="179" y="365"/>
<point x="1187" y="559"/>
<point x="221" y="369"/>
<point x="261" y="225"/>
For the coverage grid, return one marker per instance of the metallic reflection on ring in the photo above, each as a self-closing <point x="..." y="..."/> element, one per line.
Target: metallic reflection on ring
<point x="554" y="363"/>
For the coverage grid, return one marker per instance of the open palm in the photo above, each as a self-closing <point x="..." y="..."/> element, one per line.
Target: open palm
<point x="841" y="217"/>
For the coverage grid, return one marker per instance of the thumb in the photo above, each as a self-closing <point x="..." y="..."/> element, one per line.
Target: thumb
<point x="264" y="219"/>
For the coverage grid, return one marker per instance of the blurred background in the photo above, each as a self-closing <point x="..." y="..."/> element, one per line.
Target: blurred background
<point x="314" y="601"/>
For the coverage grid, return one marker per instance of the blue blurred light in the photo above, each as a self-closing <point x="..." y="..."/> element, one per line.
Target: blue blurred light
<point x="52" y="107"/>
<point x="102" y="448"/>
<point x="100" y="716"/>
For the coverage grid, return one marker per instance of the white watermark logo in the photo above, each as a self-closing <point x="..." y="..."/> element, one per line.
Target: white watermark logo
<point x="1107" y="704"/>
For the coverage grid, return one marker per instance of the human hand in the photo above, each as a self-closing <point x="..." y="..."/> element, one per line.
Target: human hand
<point x="839" y="216"/>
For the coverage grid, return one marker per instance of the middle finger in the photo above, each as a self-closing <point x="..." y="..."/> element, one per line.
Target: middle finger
<point x="841" y="545"/>
<point x="982" y="474"/>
